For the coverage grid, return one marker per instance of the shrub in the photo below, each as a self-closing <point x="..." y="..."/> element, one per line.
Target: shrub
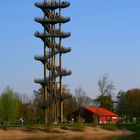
<point x="109" y="126"/>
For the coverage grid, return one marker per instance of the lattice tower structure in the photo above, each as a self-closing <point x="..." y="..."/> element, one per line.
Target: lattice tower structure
<point x="52" y="36"/>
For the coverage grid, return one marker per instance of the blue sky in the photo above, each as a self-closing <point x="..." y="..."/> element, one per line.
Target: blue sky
<point x="105" y="39"/>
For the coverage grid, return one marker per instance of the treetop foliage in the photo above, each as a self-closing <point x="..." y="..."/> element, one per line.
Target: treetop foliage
<point x="9" y="104"/>
<point x="128" y="103"/>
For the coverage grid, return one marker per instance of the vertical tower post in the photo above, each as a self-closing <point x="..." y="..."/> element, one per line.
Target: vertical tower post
<point x="60" y="67"/>
<point x="44" y="85"/>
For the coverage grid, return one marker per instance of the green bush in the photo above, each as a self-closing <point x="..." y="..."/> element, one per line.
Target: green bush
<point x="109" y="126"/>
<point x="131" y="127"/>
<point x="79" y="125"/>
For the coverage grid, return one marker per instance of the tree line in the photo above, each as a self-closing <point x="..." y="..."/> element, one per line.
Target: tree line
<point x="19" y="109"/>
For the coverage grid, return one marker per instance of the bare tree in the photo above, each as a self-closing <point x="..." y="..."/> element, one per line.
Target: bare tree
<point x="106" y="89"/>
<point x="106" y="86"/>
<point x="81" y="97"/>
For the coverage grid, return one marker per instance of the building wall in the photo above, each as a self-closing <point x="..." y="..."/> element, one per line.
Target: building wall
<point x="106" y="119"/>
<point x="87" y="116"/>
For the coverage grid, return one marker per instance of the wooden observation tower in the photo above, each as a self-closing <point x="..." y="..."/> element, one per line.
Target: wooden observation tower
<point x="51" y="59"/>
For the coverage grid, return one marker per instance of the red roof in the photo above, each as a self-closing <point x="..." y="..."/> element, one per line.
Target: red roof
<point x="100" y="111"/>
